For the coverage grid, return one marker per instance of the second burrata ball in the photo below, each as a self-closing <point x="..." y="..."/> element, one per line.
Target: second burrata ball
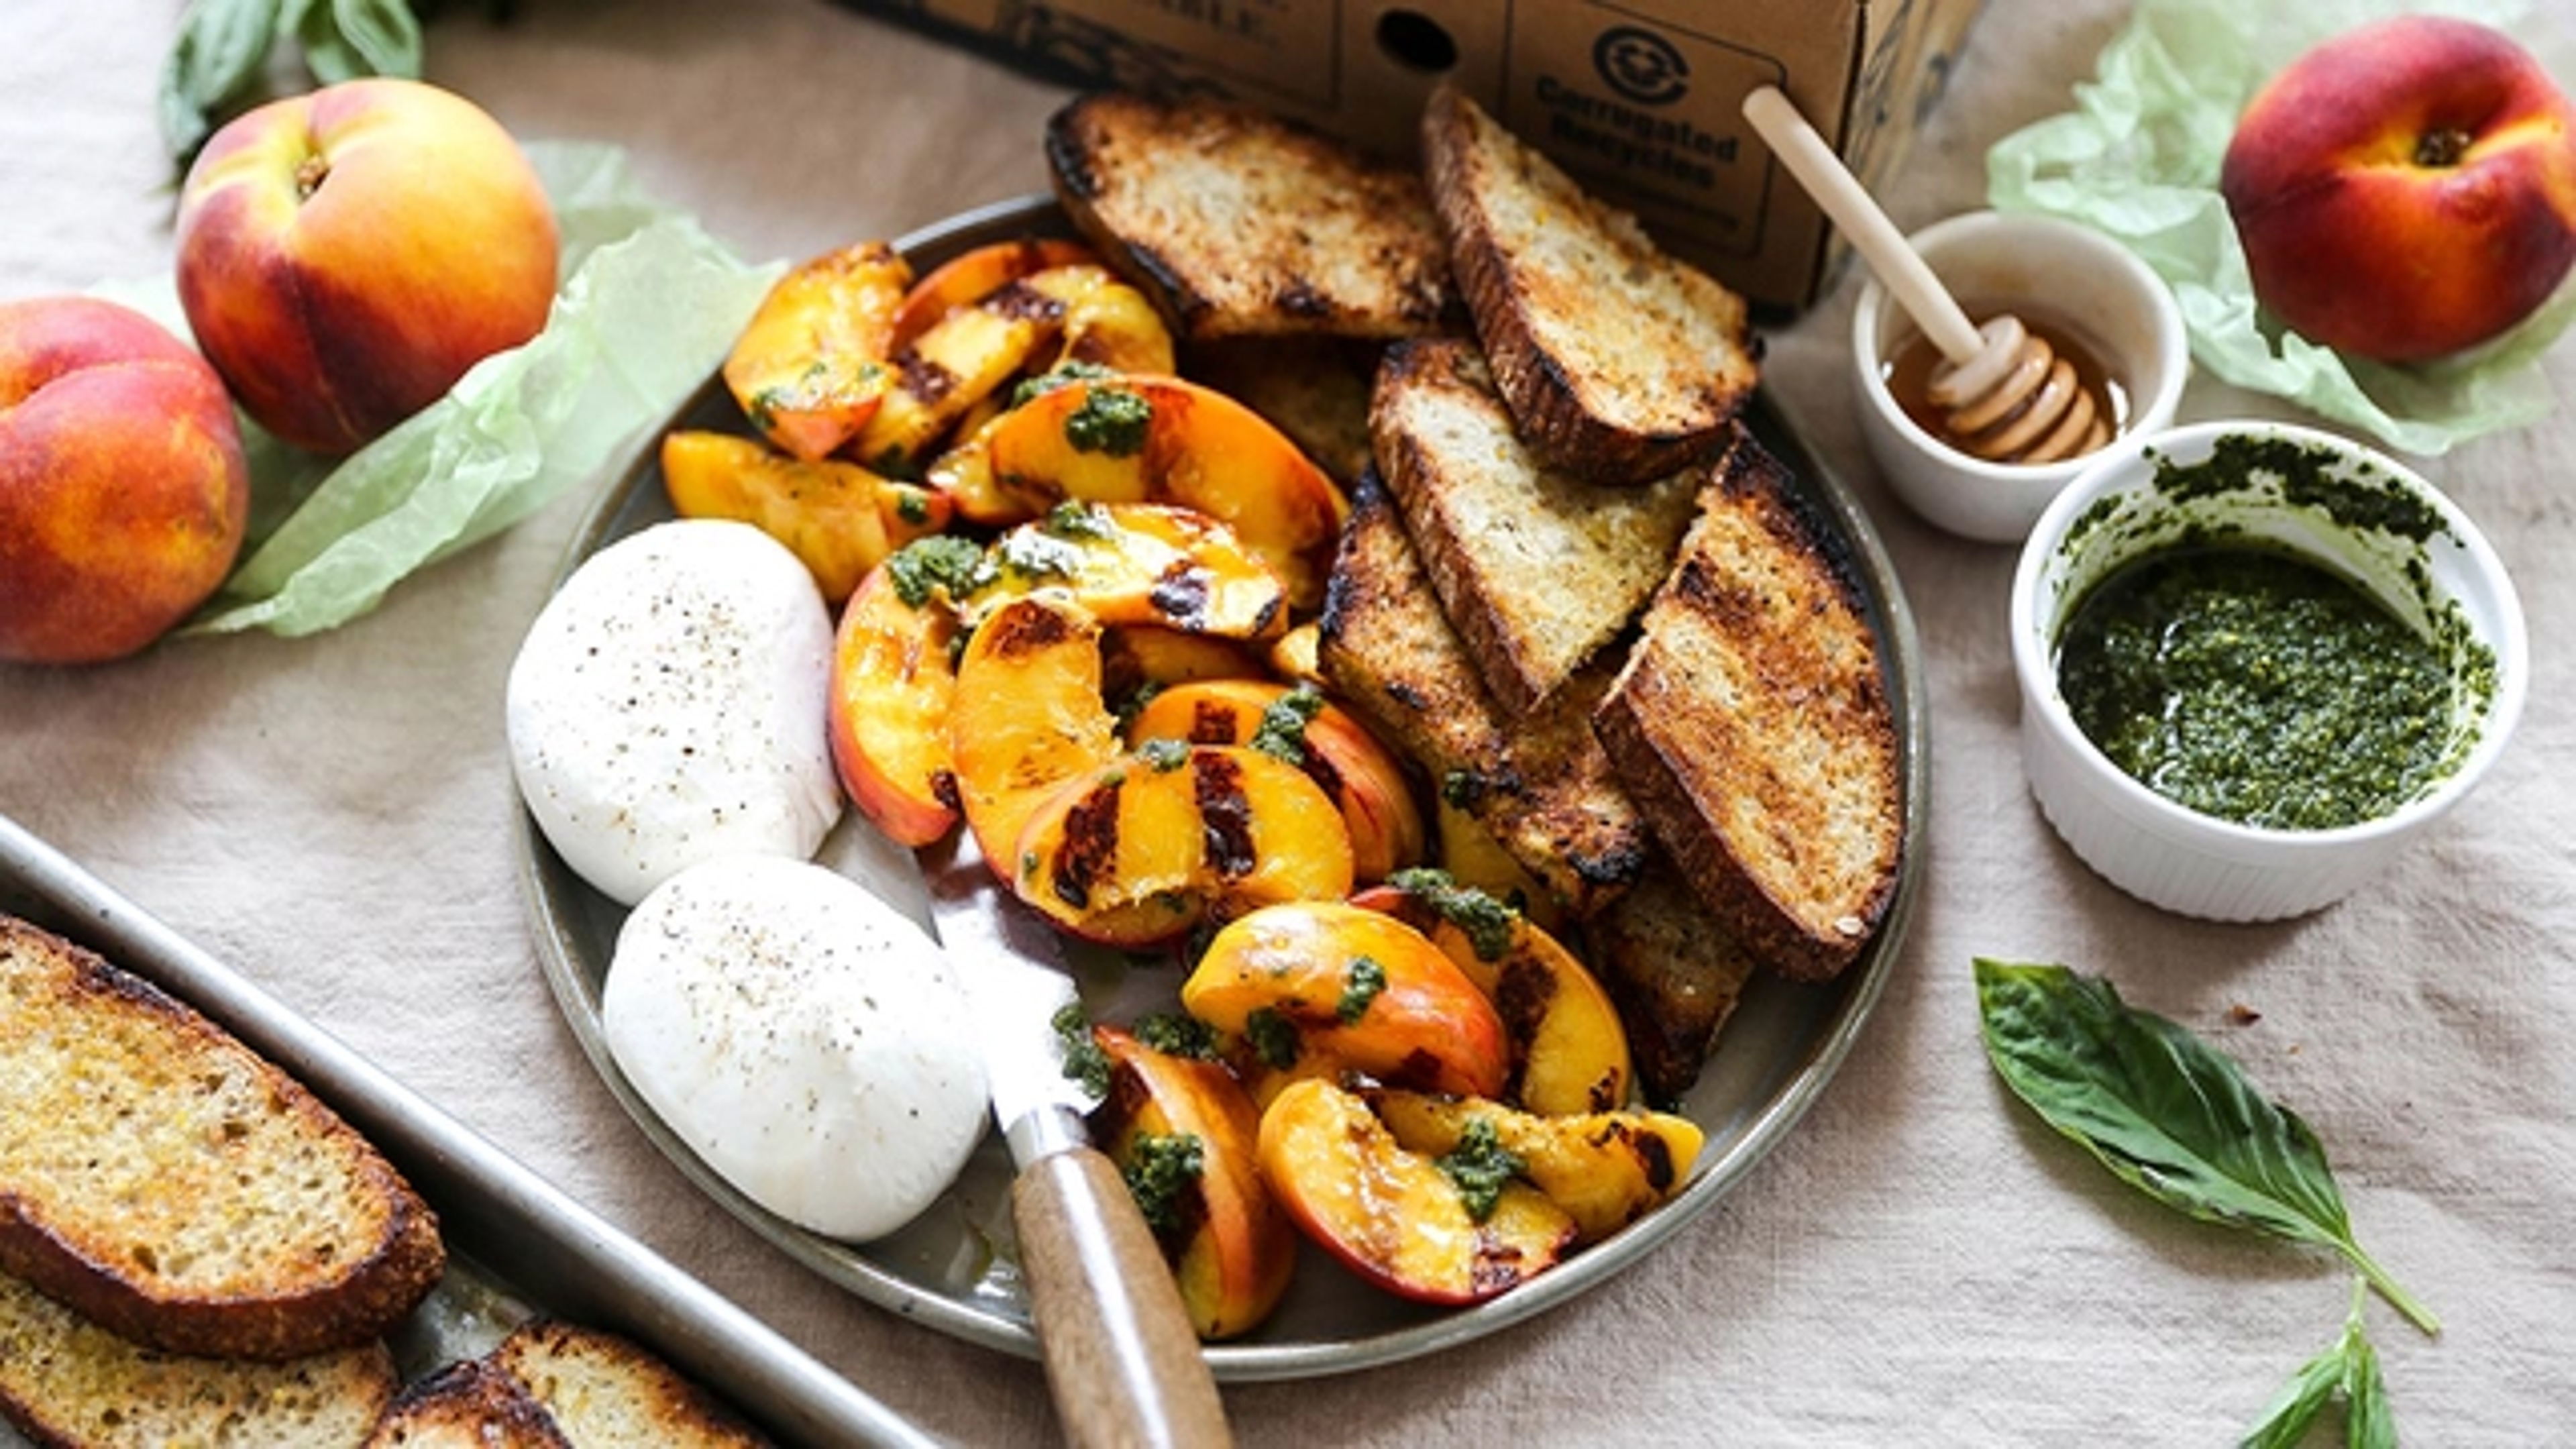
<point x="669" y="704"/>
<point x="807" y="1040"/>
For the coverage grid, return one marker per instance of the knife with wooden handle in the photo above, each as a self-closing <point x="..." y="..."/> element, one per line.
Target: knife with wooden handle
<point x="1121" y="1357"/>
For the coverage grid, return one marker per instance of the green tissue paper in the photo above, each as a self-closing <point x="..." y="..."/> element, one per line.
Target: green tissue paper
<point x="2138" y="159"/>
<point x="647" y="308"/>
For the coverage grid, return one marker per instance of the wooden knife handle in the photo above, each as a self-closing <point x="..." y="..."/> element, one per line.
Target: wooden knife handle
<point x="1121" y="1358"/>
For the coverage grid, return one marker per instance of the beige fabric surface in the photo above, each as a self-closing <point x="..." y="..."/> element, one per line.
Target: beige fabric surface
<point x="1920" y="1263"/>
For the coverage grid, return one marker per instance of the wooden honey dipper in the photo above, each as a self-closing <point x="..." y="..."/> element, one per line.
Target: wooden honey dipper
<point x="2005" y="394"/>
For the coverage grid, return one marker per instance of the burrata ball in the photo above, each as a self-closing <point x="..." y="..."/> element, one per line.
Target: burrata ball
<point x="668" y="706"/>
<point x="808" y="1042"/>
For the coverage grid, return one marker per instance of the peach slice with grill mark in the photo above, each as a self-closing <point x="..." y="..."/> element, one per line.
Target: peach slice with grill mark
<point x="1606" y="1169"/>
<point x="1473" y="857"/>
<point x="1164" y="440"/>
<point x="811" y="367"/>
<point x="888" y="710"/>
<point x="1391" y="1214"/>
<point x="1320" y="988"/>
<point x="838" y="517"/>
<point x="1138" y="564"/>
<point x="1356" y="773"/>
<point x="1231" y="1247"/>
<point x="1569" y="1050"/>
<point x="971" y="276"/>
<point x="1085" y="312"/>
<point x="1137" y="660"/>
<point x="1025" y="720"/>
<point x="1148" y="845"/>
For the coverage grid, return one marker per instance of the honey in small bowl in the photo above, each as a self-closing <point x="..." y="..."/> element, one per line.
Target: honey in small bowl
<point x="1909" y="368"/>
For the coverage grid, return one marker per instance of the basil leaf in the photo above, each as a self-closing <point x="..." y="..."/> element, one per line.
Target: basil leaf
<point x="2366" y="1420"/>
<point x="221" y="46"/>
<point x="2165" y="1112"/>
<point x="2351" y="1365"/>
<point x="347" y="39"/>
<point x="2294" y="1409"/>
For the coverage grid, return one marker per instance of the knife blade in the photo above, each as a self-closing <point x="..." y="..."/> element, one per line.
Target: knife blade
<point x="1122" y="1360"/>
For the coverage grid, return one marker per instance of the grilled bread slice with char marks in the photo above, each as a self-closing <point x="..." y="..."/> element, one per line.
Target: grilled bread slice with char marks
<point x="1540" y="785"/>
<point x="65" y="1381"/>
<point x="1752" y="726"/>
<point x="471" y="1404"/>
<point x="1239" y="224"/>
<point x="1674" y="974"/>
<point x="1623" y="364"/>
<point x="604" y="1392"/>
<point x="1536" y="568"/>
<point x="165" y="1182"/>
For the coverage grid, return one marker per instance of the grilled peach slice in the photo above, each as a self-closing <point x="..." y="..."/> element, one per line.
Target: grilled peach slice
<point x="888" y="709"/>
<point x="811" y="368"/>
<point x="1139" y="563"/>
<point x="1355" y="772"/>
<point x="1230" y="1246"/>
<point x="840" y="518"/>
<point x="958" y="361"/>
<point x="971" y="276"/>
<point x="1569" y="1051"/>
<point x="1136" y="660"/>
<point x="1395" y="1216"/>
<point x="1026" y="719"/>
<point x="1473" y="857"/>
<point x="1163" y="440"/>
<point x="1319" y="988"/>
<point x="1150" y="844"/>
<point x="1606" y="1169"/>
<point x="1292" y="655"/>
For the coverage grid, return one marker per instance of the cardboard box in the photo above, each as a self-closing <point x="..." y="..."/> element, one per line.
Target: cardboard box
<point x="1640" y="99"/>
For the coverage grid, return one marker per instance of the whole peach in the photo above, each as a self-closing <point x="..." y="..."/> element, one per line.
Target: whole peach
<point x="2406" y="190"/>
<point x="123" y="494"/>
<point x="345" y="256"/>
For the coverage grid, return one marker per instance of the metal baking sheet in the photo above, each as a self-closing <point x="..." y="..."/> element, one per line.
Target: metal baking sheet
<point x="517" y="1246"/>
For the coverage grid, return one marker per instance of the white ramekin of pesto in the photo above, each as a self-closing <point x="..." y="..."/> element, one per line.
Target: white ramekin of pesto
<point x="2255" y="661"/>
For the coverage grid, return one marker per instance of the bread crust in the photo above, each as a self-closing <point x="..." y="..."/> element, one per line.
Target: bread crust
<point x="1673" y="973"/>
<point x="1752" y="726"/>
<point x="1540" y="785"/>
<point x="124" y="1239"/>
<point x="600" y="1388"/>
<point x="1622" y="363"/>
<point x="1240" y="224"/>
<point x="68" y="1383"/>
<point x="1537" y="569"/>
<point x="471" y="1403"/>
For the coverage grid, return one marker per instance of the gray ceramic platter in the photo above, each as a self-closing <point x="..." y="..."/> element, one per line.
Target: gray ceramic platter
<point x="952" y="1269"/>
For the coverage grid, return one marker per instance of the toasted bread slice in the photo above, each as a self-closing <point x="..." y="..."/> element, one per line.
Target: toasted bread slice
<point x="1674" y="974"/>
<point x="1239" y="224"/>
<point x="604" y="1392"/>
<point x="471" y="1404"/>
<point x="67" y="1381"/>
<point x="169" y="1185"/>
<point x="1622" y="363"/>
<point x="1536" y="568"/>
<point x="1540" y="784"/>
<point x="1314" y="389"/>
<point x="1752" y="726"/>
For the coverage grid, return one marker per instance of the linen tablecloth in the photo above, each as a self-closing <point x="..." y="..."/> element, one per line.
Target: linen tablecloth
<point x="1921" y="1262"/>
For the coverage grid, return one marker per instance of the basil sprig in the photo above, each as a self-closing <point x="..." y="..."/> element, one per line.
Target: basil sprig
<point x="2350" y="1366"/>
<point x="2169" y="1114"/>
<point x="223" y="48"/>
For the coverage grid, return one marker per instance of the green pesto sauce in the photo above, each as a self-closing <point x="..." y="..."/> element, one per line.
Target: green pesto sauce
<point x="1160" y="1170"/>
<point x="2256" y="687"/>
<point x="1111" y="420"/>
<point x="1360" y="986"/>
<point x="1486" y="921"/>
<point x="1481" y="1166"/>
<point x="940" y="562"/>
